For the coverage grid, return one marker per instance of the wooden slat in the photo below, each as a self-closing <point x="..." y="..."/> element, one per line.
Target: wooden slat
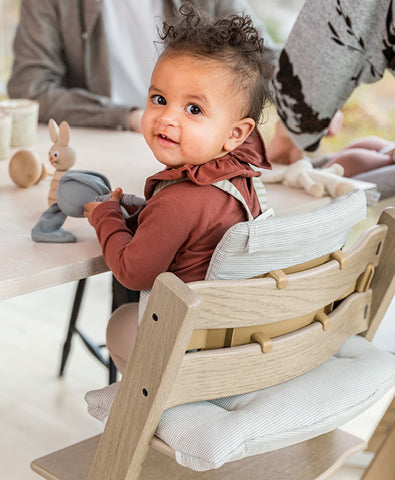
<point x="258" y="301"/>
<point x="70" y="463"/>
<point x="312" y="460"/>
<point x="292" y="355"/>
<point x="383" y="282"/>
<point x="383" y="429"/>
<point x="158" y="351"/>
<point x="383" y="465"/>
<point x="315" y="459"/>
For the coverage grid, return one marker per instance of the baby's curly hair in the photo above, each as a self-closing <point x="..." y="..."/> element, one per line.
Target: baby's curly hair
<point x="232" y="40"/>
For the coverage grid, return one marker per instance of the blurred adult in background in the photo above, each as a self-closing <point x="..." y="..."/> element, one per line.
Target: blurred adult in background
<point x="333" y="47"/>
<point x="89" y="62"/>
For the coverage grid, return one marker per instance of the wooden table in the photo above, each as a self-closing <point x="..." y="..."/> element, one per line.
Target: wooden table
<point x="27" y="266"/>
<point x="127" y="161"/>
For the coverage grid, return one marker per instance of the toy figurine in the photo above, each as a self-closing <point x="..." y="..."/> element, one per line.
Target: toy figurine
<point x="316" y="182"/>
<point x="70" y="190"/>
<point x="76" y="188"/>
<point x="61" y="155"/>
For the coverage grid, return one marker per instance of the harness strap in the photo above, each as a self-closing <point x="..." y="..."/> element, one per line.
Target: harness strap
<point x="260" y="191"/>
<point x="228" y="187"/>
<point x="259" y="188"/>
<point x="164" y="183"/>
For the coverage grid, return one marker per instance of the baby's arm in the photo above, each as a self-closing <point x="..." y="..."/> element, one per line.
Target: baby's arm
<point x="136" y="259"/>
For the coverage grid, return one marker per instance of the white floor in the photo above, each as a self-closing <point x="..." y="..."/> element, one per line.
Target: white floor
<point x="39" y="412"/>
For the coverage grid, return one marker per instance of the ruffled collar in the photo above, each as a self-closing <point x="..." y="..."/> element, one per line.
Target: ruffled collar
<point x="233" y="164"/>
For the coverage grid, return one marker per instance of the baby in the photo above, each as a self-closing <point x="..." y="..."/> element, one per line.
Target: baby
<point x="205" y="99"/>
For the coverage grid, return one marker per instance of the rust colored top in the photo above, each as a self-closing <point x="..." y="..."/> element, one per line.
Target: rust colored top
<point x="181" y="225"/>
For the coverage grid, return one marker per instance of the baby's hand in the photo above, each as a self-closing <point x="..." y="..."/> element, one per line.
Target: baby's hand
<point x="89" y="209"/>
<point x="116" y="196"/>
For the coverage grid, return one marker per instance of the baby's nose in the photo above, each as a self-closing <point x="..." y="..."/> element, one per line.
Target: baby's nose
<point x="169" y="116"/>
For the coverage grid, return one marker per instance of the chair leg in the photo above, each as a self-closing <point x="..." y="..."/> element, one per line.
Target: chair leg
<point x="383" y="464"/>
<point x="112" y="371"/>
<point x="73" y="319"/>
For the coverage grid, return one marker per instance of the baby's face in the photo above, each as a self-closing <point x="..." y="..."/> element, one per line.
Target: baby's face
<point x="191" y="110"/>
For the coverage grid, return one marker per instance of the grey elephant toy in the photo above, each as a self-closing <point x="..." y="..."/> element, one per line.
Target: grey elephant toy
<point x="76" y="187"/>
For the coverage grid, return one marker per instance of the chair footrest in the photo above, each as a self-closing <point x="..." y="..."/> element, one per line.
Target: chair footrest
<point x="316" y="458"/>
<point x="70" y="463"/>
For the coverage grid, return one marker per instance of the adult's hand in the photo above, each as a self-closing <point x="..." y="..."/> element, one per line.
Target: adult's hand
<point x="282" y="149"/>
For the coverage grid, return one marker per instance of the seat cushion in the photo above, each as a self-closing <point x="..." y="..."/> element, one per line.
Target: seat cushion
<point x="252" y="248"/>
<point x="205" y="435"/>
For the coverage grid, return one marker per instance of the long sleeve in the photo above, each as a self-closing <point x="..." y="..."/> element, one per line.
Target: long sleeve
<point x="66" y="73"/>
<point x="334" y="46"/>
<point x="137" y="259"/>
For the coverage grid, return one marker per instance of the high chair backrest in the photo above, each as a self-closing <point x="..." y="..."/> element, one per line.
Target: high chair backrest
<point x="252" y="248"/>
<point x="339" y="295"/>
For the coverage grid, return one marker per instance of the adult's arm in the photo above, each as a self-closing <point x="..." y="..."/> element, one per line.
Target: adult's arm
<point x="334" y="46"/>
<point x="66" y="73"/>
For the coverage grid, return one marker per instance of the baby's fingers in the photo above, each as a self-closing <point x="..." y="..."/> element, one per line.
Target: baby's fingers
<point x="116" y="195"/>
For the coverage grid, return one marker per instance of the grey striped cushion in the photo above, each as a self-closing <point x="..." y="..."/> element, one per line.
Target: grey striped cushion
<point x="252" y="248"/>
<point x="205" y="435"/>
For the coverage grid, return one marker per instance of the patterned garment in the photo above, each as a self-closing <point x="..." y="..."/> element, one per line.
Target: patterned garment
<point x="334" y="46"/>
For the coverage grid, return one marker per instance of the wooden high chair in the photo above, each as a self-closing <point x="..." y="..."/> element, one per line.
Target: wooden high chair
<point x="340" y="302"/>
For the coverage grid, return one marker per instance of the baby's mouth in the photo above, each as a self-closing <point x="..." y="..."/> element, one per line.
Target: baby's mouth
<point x="164" y="139"/>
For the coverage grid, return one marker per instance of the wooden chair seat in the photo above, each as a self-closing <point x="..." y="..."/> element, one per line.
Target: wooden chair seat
<point x="326" y="454"/>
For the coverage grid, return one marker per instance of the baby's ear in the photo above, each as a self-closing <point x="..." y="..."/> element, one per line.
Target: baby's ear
<point x="240" y="131"/>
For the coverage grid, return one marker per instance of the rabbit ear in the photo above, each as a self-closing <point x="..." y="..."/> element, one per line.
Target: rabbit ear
<point x="64" y="133"/>
<point x="53" y="130"/>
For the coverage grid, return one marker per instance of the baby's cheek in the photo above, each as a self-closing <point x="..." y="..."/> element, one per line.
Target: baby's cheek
<point x="146" y="124"/>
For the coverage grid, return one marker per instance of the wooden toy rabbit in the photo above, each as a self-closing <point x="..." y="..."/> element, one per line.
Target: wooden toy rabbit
<point x="61" y="155"/>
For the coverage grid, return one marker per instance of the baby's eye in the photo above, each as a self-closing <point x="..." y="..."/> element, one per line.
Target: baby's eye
<point x="193" y="109"/>
<point x="158" y="99"/>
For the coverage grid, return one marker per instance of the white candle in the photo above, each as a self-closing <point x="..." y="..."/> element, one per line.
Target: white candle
<point x="24" y="115"/>
<point x="5" y="135"/>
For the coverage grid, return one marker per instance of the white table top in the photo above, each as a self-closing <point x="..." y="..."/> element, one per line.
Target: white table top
<point x="127" y="161"/>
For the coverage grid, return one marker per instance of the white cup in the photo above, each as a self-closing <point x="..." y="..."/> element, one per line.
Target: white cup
<point x="24" y="115"/>
<point x="5" y="135"/>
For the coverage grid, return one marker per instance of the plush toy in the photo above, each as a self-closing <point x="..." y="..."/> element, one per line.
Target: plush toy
<point x="75" y="188"/>
<point x="61" y="155"/>
<point x="316" y="182"/>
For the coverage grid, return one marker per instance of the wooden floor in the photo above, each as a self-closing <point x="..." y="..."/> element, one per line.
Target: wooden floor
<point x="39" y="412"/>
